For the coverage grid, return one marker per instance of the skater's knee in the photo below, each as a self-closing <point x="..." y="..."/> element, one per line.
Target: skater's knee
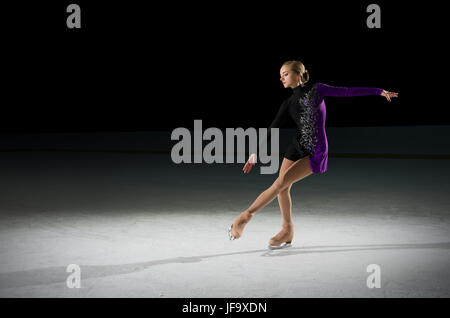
<point x="286" y="190"/>
<point x="281" y="184"/>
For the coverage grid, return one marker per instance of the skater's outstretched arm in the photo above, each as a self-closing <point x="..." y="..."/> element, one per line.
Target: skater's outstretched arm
<point x="328" y="90"/>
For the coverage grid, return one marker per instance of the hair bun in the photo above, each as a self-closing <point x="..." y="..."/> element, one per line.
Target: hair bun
<point x="305" y="76"/>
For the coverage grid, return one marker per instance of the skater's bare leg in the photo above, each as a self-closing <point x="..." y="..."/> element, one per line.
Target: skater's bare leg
<point x="285" y="203"/>
<point x="284" y="199"/>
<point x="287" y="226"/>
<point x="295" y="172"/>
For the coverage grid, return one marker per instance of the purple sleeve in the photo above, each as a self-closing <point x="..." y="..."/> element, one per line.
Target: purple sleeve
<point x="327" y="90"/>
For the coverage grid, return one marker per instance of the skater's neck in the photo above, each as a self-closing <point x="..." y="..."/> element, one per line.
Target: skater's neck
<point x="299" y="88"/>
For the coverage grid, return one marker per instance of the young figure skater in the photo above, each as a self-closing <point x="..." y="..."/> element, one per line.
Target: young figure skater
<point x="307" y="153"/>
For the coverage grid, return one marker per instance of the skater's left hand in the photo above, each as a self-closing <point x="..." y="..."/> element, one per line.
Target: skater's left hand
<point x="250" y="163"/>
<point x="388" y="95"/>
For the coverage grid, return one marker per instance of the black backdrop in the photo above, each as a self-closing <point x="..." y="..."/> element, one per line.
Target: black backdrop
<point x="136" y="65"/>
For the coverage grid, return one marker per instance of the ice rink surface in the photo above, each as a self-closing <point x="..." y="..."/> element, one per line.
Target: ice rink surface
<point x="138" y="225"/>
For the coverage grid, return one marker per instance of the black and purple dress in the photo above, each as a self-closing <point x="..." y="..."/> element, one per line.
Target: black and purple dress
<point x="306" y="106"/>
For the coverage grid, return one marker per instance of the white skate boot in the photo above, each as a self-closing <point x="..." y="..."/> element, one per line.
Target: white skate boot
<point x="283" y="239"/>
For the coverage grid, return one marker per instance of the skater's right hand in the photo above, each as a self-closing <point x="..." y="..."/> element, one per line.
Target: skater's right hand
<point x="250" y="163"/>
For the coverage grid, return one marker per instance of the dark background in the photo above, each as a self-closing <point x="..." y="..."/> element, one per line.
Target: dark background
<point x="136" y="66"/>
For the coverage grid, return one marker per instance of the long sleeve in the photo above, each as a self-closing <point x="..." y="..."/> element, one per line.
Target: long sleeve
<point x="278" y="122"/>
<point x="327" y="90"/>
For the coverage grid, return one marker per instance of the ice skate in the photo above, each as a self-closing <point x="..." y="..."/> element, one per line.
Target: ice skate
<point x="283" y="239"/>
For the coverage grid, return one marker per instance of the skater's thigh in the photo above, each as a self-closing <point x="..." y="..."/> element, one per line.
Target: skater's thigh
<point x="285" y="165"/>
<point x="298" y="170"/>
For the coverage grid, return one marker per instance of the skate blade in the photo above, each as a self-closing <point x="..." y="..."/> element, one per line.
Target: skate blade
<point x="284" y="245"/>
<point x="231" y="237"/>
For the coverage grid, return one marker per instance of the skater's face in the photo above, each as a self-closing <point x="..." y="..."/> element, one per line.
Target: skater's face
<point x="288" y="77"/>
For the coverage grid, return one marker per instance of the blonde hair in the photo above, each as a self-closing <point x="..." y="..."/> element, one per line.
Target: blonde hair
<point x="298" y="68"/>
